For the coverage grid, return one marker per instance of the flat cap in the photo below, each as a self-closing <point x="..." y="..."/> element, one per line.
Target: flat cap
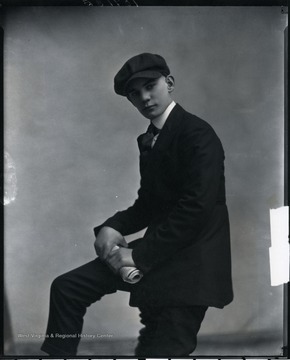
<point x="144" y="65"/>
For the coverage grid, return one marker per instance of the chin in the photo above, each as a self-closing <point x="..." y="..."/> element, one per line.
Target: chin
<point x="149" y="116"/>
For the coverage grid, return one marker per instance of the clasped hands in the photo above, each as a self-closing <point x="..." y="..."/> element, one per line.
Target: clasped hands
<point x="106" y="240"/>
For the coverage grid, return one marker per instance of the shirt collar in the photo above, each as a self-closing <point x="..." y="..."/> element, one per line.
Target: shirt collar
<point x="160" y="120"/>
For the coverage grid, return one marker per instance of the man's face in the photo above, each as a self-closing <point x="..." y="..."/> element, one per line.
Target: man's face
<point x="150" y="96"/>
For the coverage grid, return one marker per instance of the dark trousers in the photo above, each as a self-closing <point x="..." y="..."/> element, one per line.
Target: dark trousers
<point x="168" y="331"/>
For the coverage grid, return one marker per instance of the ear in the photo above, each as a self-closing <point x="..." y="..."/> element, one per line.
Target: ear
<point x="170" y="83"/>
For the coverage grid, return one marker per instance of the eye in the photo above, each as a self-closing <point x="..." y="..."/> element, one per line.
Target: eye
<point x="133" y="94"/>
<point x="150" y="86"/>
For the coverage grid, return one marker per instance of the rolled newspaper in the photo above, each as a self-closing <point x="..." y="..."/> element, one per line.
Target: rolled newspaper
<point x="129" y="274"/>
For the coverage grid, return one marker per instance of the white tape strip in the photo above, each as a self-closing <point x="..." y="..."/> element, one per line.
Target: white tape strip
<point x="279" y="251"/>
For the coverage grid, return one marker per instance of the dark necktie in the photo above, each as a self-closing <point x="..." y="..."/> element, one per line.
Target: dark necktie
<point x="147" y="139"/>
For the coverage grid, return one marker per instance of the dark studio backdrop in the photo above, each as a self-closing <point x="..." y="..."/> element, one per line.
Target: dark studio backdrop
<point x="72" y="145"/>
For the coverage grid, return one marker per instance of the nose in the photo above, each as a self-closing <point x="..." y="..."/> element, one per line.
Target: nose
<point x="145" y="96"/>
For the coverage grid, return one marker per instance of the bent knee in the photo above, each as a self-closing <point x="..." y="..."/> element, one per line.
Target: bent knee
<point x="59" y="284"/>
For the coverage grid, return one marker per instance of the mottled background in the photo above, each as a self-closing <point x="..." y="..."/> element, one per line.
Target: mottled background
<point x="73" y="144"/>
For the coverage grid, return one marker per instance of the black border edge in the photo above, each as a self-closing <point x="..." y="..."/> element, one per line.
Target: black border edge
<point x="2" y="189"/>
<point x="286" y="305"/>
<point x="143" y="3"/>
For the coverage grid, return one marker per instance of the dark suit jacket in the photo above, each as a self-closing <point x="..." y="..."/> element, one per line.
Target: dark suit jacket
<point x="185" y="252"/>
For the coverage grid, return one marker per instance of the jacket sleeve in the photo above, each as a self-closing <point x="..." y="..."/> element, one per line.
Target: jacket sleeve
<point x="203" y="172"/>
<point x="131" y="220"/>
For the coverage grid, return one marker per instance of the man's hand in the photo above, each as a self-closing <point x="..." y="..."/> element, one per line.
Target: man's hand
<point x="106" y="239"/>
<point x="120" y="258"/>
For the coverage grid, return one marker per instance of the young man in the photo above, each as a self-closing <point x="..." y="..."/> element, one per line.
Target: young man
<point x="184" y="256"/>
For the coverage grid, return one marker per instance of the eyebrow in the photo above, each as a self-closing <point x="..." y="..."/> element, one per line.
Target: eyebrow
<point x="146" y="83"/>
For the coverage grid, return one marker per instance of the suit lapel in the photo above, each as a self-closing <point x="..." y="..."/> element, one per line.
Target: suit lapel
<point x="165" y="138"/>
